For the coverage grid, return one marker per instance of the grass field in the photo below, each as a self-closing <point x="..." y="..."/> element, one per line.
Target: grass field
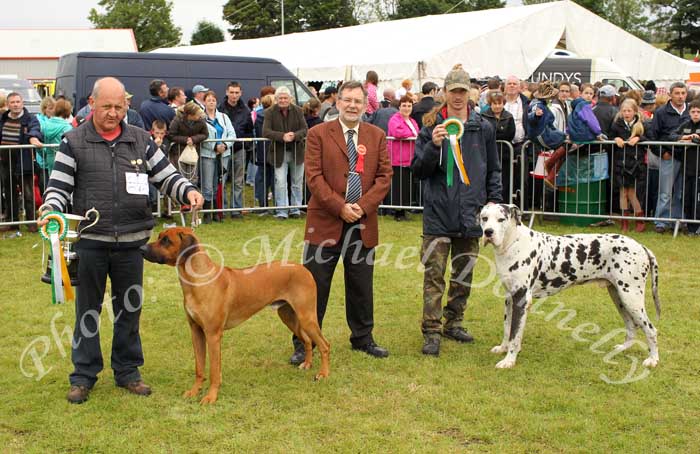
<point x="558" y="399"/>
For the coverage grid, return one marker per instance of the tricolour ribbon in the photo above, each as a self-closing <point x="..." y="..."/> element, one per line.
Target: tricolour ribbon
<point x="455" y="130"/>
<point x="54" y="232"/>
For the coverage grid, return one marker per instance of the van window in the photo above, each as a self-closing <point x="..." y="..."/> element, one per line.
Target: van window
<point x="303" y="94"/>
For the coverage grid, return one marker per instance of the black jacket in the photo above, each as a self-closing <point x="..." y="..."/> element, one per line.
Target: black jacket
<point x="504" y="126"/>
<point x="664" y="124"/>
<point x="605" y="114"/>
<point x="421" y="108"/>
<point x="240" y="119"/>
<point x="629" y="157"/>
<point x="29" y="127"/>
<point x="691" y="151"/>
<point x="453" y="210"/>
<point x="380" y="118"/>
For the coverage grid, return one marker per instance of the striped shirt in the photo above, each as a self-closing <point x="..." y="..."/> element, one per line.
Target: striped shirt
<point x="11" y="131"/>
<point x="161" y="173"/>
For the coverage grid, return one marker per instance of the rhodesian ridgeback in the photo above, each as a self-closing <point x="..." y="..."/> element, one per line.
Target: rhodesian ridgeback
<point x="218" y="298"/>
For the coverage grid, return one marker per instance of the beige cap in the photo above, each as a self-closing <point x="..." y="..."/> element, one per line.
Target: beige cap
<point x="457" y="78"/>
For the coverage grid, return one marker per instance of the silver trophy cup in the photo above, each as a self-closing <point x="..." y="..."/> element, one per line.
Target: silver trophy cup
<point x="72" y="236"/>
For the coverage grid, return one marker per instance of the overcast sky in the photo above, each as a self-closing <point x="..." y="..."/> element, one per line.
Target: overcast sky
<point x="74" y="13"/>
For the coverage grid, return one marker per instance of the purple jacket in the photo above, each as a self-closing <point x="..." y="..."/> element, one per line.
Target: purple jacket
<point x="582" y="125"/>
<point x="401" y="151"/>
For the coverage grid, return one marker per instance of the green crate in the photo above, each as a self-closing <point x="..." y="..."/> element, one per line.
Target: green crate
<point x="589" y="198"/>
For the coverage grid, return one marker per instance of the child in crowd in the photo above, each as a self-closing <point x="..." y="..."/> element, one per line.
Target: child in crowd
<point x="582" y="125"/>
<point x="689" y="131"/>
<point x="629" y="166"/>
<point x="648" y="105"/>
<point x="543" y="132"/>
<point x="159" y="134"/>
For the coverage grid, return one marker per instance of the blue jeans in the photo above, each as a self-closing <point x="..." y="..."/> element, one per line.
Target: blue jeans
<point x="210" y="176"/>
<point x="670" y="201"/>
<point x="296" y="172"/>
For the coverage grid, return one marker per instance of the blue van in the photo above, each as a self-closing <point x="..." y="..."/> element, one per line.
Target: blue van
<point x="77" y="73"/>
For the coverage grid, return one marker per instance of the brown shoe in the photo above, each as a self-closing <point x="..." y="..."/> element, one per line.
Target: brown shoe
<point x="78" y="394"/>
<point x="137" y="387"/>
<point x="639" y="226"/>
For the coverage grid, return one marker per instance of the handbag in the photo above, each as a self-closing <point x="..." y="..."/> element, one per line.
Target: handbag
<point x="189" y="155"/>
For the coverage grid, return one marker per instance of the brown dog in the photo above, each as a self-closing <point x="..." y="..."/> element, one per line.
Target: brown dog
<point x="218" y="298"/>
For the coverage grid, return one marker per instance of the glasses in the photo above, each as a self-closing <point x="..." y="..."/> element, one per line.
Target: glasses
<point x="355" y="101"/>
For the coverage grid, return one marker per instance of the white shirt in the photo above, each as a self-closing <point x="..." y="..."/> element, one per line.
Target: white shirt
<point x="516" y="109"/>
<point x="354" y="136"/>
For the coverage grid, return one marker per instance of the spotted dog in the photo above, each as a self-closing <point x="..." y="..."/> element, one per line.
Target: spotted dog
<point x="533" y="264"/>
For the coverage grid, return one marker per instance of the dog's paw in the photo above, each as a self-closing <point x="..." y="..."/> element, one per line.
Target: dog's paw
<point x="305" y="366"/>
<point x="506" y="363"/>
<point x="651" y="362"/>
<point x="208" y="399"/>
<point x="191" y="393"/>
<point x="321" y="376"/>
<point x="499" y="349"/>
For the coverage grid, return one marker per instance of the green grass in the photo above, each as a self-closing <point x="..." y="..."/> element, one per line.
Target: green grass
<point x="553" y="401"/>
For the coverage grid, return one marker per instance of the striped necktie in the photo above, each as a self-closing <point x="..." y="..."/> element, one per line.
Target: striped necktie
<point x="354" y="190"/>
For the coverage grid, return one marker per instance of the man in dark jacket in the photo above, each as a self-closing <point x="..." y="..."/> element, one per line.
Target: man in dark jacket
<point x="605" y="110"/>
<point x="426" y="104"/>
<point x="18" y="127"/>
<point x="666" y="121"/>
<point x="242" y="122"/>
<point x="453" y="198"/>
<point x="285" y="126"/>
<point x="156" y="108"/>
<point x="106" y="164"/>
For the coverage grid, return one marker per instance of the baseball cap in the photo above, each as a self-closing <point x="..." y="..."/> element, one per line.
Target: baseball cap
<point x="457" y="78"/>
<point x="199" y="89"/>
<point x="607" y="91"/>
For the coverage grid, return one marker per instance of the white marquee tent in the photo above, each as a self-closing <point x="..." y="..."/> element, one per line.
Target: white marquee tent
<point x="501" y="42"/>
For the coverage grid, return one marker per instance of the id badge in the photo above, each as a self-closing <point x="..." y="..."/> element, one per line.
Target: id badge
<point x="136" y="183"/>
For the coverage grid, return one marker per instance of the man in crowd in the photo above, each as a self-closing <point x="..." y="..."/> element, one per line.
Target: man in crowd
<point x="242" y="122"/>
<point x="328" y="104"/>
<point x="18" y="127"/>
<point x="516" y="104"/>
<point x="198" y="92"/>
<point x="606" y="110"/>
<point x="450" y="223"/>
<point x="389" y="96"/>
<point x="177" y="97"/>
<point x="666" y="121"/>
<point x="156" y="107"/>
<point x="285" y="126"/>
<point x="88" y="161"/>
<point x="426" y="104"/>
<point x="342" y="219"/>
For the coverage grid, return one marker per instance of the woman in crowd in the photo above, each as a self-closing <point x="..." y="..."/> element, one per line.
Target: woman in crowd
<point x="504" y="125"/>
<point x="311" y="110"/>
<point x="188" y="128"/>
<point x="371" y="82"/>
<point x="628" y="163"/>
<point x="46" y="109"/>
<point x="404" y="130"/>
<point x="215" y="156"/>
<point x="53" y="128"/>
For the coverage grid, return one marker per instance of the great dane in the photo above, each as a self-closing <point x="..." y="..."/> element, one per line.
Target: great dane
<point x="533" y="264"/>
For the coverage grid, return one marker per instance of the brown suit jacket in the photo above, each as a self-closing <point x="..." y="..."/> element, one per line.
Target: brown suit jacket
<point x="326" y="166"/>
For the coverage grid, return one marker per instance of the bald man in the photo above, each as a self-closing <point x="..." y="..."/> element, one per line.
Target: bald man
<point x="107" y="164"/>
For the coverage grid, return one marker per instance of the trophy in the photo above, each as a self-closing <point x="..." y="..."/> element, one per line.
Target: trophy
<point x="62" y="231"/>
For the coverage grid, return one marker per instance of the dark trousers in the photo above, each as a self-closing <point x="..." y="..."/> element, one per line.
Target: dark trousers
<point x="692" y="200"/>
<point x="358" y="262"/>
<point x="125" y="270"/>
<point x="11" y="202"/>
<point x="264" y="182"/>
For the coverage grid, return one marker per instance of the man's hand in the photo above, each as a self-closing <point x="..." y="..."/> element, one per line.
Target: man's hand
<point x="439" y="134"/>
<point x="36" y="142"/>
<point x="288" y="136"/>
<point x="189" y="141"/>
<point x="195" y="199"/>
<point x="348" y="214"/>
<point x="357" y="209"/>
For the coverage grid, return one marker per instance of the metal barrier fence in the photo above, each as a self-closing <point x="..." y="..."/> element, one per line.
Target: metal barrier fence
<point x="591" y="183"/>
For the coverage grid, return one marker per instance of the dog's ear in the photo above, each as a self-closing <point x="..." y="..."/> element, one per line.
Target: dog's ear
<point x="188" y="244"/>
<point x="515" y="214"/>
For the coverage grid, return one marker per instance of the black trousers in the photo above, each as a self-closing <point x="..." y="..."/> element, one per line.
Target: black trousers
<point x="125" y="270"/>
<point x="358" y="262"/>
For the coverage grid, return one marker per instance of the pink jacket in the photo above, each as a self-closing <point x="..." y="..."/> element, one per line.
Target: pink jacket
<point x="372" y="101"/>
<point x="401" y="151"/>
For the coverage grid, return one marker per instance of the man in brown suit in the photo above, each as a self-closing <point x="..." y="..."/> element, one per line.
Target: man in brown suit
<point x="285" y="126"/>
<point x="348" y="173"/>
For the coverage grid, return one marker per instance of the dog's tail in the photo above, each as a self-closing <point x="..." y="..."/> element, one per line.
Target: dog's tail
<point x="654" y="265"/>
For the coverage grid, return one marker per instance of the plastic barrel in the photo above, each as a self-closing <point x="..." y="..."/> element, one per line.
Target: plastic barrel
<point x="588" y="198"/>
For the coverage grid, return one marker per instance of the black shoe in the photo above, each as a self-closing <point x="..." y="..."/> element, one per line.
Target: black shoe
<point x="458" y="333"/>
<point x="431" y="346"/>
<point x="298" y="356"/>
<point x="294" y="216"/>
<point x="660" y="229"/>
<point x="78" y="394"/>
<point x="372" y="349"/>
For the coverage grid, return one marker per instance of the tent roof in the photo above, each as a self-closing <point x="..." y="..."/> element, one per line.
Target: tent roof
<point x="52" y="43"/>
<point x="502" y="41"/>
